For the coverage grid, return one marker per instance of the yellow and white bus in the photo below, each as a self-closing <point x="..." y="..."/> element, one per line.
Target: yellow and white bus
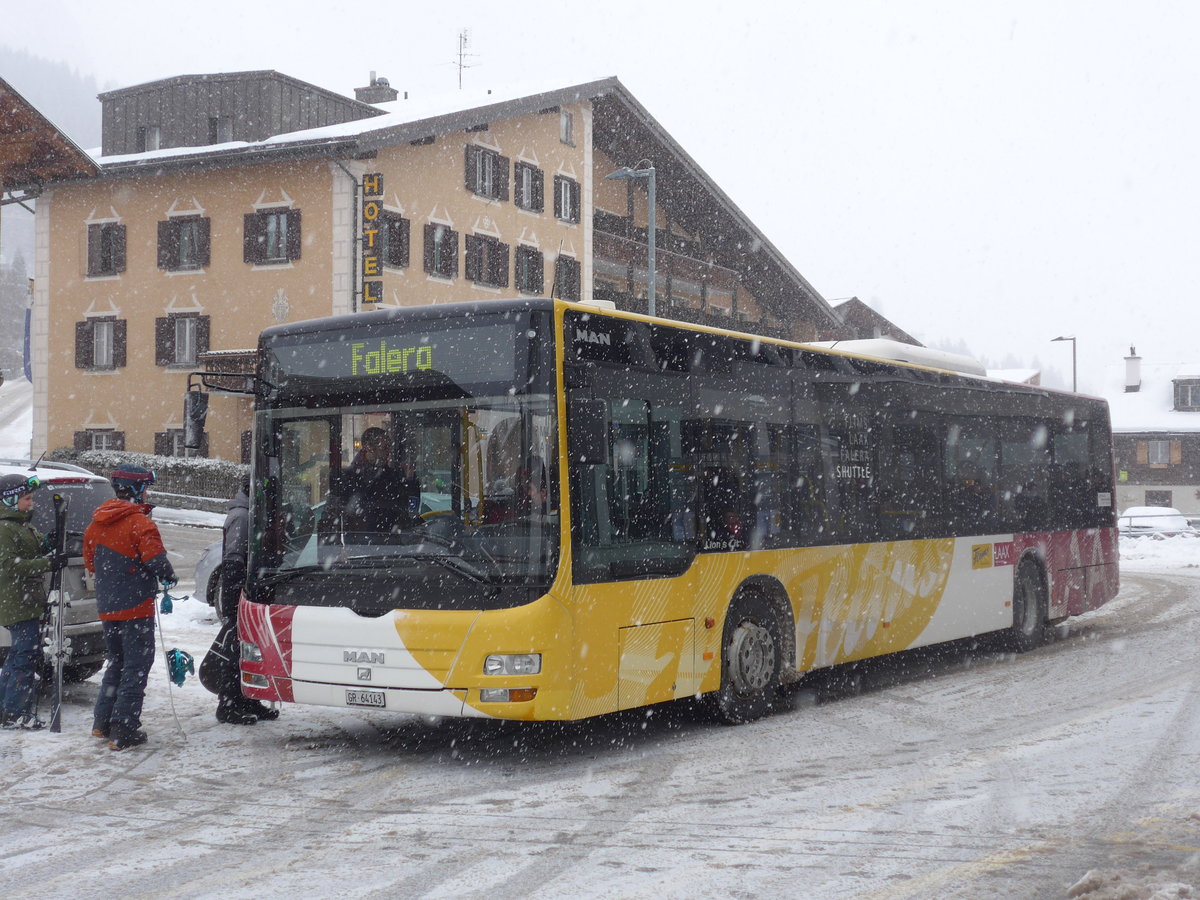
<point x="545" y="510"/>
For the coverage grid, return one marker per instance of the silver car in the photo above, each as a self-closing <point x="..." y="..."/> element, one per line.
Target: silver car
<point x="84" y="491"/>
<point x="208" y="574"/>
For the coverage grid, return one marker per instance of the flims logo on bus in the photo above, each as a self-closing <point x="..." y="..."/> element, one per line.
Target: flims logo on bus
<point x="389" y="360"/>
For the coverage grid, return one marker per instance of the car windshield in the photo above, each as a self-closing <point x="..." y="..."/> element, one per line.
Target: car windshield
<point x="457" y="495"/>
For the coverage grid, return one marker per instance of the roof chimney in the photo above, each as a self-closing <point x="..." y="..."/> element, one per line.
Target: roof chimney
<point x="1133" y="372"/>
<point x="378" y="91"/>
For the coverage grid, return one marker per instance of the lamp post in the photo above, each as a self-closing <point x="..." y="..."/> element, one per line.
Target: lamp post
<point x="644" y="169"/>
<point x="1071" y="338"/>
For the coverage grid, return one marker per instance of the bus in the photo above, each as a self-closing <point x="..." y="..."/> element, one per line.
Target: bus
<point x="544" y="510"/>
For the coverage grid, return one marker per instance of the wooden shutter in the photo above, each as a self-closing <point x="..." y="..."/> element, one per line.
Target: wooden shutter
<point x="498" y="263"/>
<point x="474" y="253"/>
<point x="430" y="238"/>
<point x="539" y="191"/>
<point x="574" y="199"/>
<point x="293" y="233"/>
<point x="93" y="249"/>
<point x="253" y="238"/>
<point x="247" y="446"/>
<point x="118" y="248"/>
<point x="503" y="165"/>
<point x="118" y="438"/>
<point x="84" y="350"/>
<point x="1143" y="453"/>
<point x="163" y="443"/>
<point x="120" y="331"/>
<point x="537" y="272"/>
<point x="203" y="333"/>
<point x="1176" y="452"/>
<point x="82" y="440"/>
<point x="168" y="245"/>
<point x="451" y="238"/>
<point x="164" y="342"/>
<point x="204" y="241"/>
<point x="471" y="168"/>
<point x="402" y="241"/>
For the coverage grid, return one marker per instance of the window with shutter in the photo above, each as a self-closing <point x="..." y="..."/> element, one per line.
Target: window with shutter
<point x="529" y="187"/>
<point x="441" y="251"/>
<point x="106" y="249"/>
<point x="530" y="271"/>
<point x="566" y="278"/>
<point x="486" y="260"/>
<point x="393" y="240"/>
<point x="271" y="236"/>
<point x="486" y="173"/>
<point x="183" y="243"/>
<point x="566" y="199"/>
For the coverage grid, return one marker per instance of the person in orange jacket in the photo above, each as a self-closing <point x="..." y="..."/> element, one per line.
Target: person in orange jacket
<point x="122" y="546"/>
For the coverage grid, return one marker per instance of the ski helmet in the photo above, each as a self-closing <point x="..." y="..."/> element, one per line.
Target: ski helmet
<point x="13" y="487"/>
<point x="130" y="482"/>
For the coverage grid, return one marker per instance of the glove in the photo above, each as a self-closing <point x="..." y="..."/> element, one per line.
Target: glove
<point x="58" y="559"/>
<point x="169" y="583"/>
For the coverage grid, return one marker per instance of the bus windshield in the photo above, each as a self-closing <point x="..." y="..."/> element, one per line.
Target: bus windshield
<point x="407" y="496"/>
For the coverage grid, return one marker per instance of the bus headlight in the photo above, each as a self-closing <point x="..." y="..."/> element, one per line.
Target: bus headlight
<point x="512" y="664"/>
<point x="250" y="652"/>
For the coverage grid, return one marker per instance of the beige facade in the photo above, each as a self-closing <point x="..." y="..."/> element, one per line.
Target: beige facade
<point x="134" y="294"/>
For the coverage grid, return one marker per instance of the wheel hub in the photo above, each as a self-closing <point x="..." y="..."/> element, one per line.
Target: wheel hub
<point x="751" y="658"/>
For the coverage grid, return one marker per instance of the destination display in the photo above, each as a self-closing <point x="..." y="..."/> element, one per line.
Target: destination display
<point x="484" y="353"/>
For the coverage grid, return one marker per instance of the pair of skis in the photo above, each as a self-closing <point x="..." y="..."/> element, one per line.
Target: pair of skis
<point x="57" y="645"/>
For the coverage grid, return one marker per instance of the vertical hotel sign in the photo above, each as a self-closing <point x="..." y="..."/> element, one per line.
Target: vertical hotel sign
<point x="372" y="210"/>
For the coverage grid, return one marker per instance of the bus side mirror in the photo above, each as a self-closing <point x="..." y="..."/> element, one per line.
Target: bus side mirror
<point x="195" y="413"/>
<point x="587" y="431"/>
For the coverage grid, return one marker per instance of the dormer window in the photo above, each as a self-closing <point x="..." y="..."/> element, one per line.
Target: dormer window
<point x="1187" y="395"/>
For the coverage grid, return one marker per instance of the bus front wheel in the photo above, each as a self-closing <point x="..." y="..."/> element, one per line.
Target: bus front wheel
<point x="751" y="656"/>
<point x="1029" y="629"/>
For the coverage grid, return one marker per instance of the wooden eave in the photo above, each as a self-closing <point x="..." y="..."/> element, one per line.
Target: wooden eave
<point x="33" y="151"/>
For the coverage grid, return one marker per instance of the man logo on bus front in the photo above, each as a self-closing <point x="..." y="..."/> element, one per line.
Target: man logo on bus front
<point x="370" y="657"/>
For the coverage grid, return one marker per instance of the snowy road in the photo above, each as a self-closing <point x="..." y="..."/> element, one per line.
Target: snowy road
<point x="961" y="775"/>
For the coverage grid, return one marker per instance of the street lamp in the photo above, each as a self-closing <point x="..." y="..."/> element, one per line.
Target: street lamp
<point x="1071" y="338"/>
<point x="644" y="169"/>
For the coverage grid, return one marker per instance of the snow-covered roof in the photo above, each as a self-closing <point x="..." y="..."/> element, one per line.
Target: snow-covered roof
<point x="1020" y="376"/>
<point x="1152" y="408"/>
<point x="399" y="119"/>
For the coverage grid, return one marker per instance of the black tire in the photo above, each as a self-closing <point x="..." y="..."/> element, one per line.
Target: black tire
<point x="751" y="661"/>
<point x="1029" y="629"/>
<point x="212" y="594"/>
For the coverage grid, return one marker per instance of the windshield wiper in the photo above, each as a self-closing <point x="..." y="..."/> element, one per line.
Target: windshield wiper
<point x="454" y="564"/>
<point x="282" y="575"/>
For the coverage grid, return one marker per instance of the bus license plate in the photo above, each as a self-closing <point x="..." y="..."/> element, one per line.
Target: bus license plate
<point x="365" y="698"/>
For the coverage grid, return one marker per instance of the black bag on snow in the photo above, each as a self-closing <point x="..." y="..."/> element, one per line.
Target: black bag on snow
<point x="219" y="669"/>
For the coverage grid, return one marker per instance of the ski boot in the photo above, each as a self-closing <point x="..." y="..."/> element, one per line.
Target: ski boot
<point x="259" y="710"/>
<point x="126" y="739"/>
<point x="231" y="712"/>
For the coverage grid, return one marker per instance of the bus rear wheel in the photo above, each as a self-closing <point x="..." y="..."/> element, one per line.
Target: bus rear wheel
<point x="751" y="656"/>
<point x="1029" y="629"/>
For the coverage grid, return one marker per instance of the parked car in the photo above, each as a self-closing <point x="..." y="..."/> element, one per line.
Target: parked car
<point x="1154" y="521"/>
<point x="208" y="574"/>
<point x="84" y="491"/>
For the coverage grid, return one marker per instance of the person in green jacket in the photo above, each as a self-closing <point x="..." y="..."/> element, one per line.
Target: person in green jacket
<point x="23" y="567"/>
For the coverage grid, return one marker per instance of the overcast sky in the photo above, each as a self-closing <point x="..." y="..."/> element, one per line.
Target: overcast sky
<point x="998" y="173"/>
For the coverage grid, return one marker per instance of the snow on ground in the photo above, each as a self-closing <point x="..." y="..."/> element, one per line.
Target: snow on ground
<point x="16" y="418"/>
<point x="953" y="774"/>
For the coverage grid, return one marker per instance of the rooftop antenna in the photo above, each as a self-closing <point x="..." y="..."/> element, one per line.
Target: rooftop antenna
<point x="464" y="40"/>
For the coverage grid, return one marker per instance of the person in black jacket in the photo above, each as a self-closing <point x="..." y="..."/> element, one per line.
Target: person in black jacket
<point x="222" y="675"/>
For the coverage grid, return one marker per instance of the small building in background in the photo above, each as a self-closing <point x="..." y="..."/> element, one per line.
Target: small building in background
<point x="1155" y="410"/>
